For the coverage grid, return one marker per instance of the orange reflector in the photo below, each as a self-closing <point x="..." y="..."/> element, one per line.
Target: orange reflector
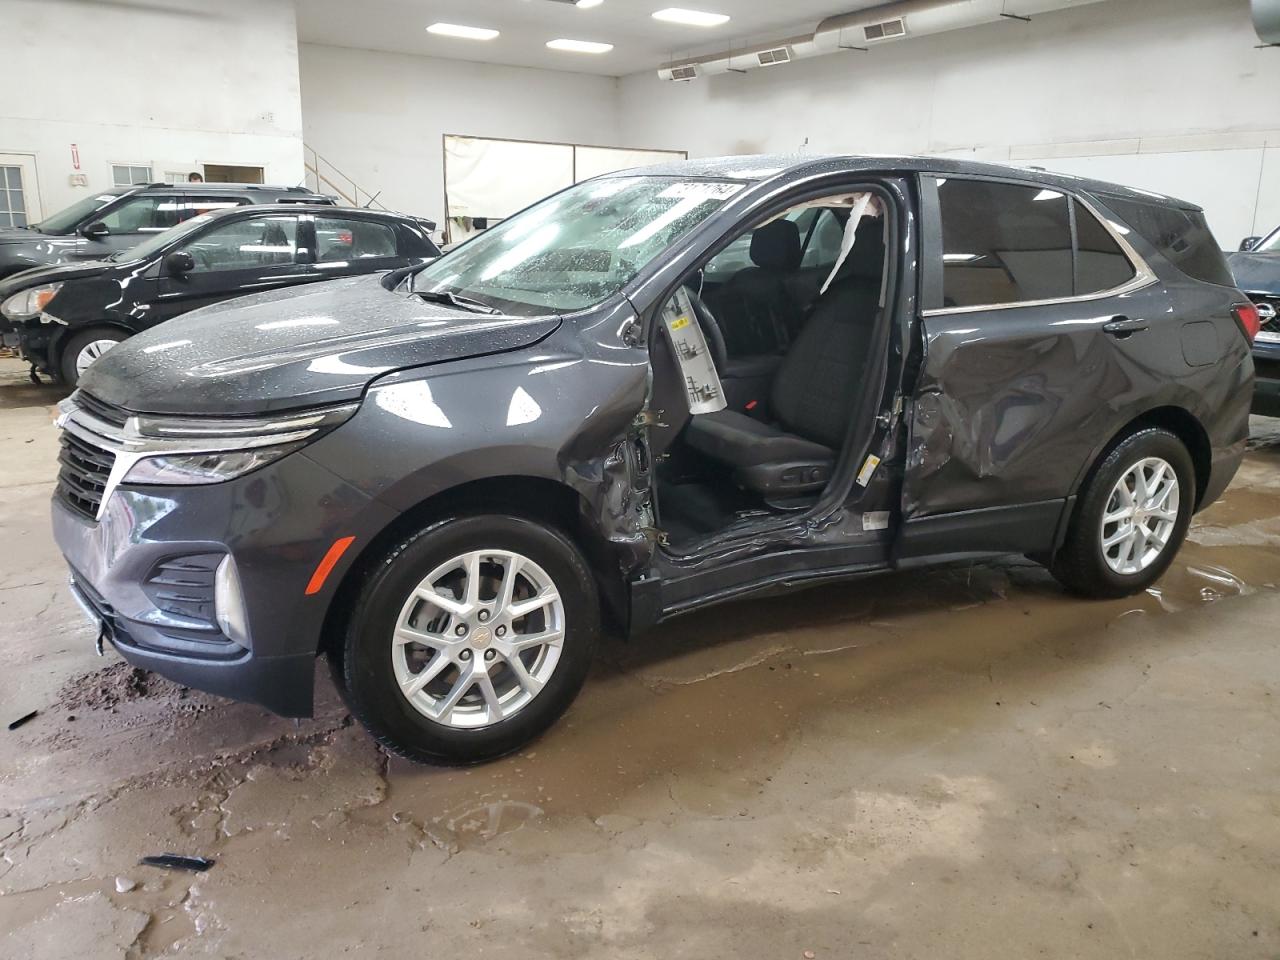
<point x="326" y="565"/>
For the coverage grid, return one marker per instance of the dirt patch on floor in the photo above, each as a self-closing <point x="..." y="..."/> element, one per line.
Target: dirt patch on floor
<point x="114" y="685"/>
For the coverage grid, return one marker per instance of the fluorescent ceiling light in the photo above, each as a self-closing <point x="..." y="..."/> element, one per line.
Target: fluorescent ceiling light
<point x="579" y="46"/>
<point x="691" y="18"/>
<point x="458" y="30"/>
<point x="588" y="4"/>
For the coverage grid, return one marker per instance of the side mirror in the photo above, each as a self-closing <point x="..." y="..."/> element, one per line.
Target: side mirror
<point x="95" y="230"/>
<point x="1248" y="243"/>
<point x="178" y="263"/>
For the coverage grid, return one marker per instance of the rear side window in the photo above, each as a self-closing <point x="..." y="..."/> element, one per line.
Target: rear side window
<point x="1100" y="263"/>
<point x="1003" y="243"/>
<point x="338" y="238"/>
<point x="1181" y="236"/>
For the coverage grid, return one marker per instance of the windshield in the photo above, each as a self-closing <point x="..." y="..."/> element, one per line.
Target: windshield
<point x="577" y="248"/>
<point x="158" y="241"/>
<point x="64" y="221"/>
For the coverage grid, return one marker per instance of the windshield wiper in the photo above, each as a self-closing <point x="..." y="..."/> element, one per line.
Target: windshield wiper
<point x="456" y="300"/>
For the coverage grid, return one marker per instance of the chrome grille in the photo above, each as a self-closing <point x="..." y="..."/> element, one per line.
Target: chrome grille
<point x="82" y="473"/>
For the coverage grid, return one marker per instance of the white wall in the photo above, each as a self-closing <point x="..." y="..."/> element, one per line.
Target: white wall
<point x="1167" y="95"/>
<point x="380" y="118"/>
<point x="173" y="85"/>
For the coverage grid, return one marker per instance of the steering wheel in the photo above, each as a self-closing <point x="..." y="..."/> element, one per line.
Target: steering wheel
<point x="711" y="331"/>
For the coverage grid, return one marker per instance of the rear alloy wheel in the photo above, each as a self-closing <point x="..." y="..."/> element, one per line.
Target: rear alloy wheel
<point x="1131" y="517"/>
<point x="83" y="349"/>
<point x="471" y="638"/>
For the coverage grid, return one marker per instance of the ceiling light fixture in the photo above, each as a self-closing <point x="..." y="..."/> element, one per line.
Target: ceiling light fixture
<point x="579" y="46"/>
<point x="458" y="30"/>
<point x="691" y="18"/>
<point x="588" y="4"/>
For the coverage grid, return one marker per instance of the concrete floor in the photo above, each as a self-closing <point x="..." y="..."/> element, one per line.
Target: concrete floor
<point x="956" y="763"/>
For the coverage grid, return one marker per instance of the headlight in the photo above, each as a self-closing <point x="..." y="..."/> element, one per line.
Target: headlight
<point x="29" y="303"/>
<point x="194" y="450"/>
<point x="189" y="468"/>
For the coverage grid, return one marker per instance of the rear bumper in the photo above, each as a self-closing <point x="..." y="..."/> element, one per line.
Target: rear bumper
<point x="146" y="570"/>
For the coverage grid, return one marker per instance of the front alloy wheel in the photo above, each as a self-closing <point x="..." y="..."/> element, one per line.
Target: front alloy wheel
<point x="478" y="638"/>
<point x="470" y="638"/>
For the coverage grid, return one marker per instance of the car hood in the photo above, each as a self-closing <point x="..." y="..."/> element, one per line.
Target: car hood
<point x="1256" y="272"/>
<point x="295" y="348"/>
<point x="15" y="235"/>
<point x="54" y="273"/>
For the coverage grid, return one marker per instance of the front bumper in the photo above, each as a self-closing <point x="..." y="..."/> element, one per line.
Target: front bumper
<point x="145" y="570"/>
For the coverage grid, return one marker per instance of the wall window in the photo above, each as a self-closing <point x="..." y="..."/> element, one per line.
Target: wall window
<point x="1100" y="263"/>
<point x="246" y="244"/>
<point x="1003" y="244"/>
<point x="342" y="239"/>
<point x="13" y="205"/>
<point x="127" y="175"/>
<point x="142" y="214"/>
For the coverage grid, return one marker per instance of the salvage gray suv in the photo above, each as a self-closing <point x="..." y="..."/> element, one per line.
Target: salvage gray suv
<point x="654" y="391"/>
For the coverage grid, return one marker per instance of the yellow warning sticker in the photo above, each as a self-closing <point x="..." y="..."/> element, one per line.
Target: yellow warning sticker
<point x="868" y="468"/>
<point x="679" y="323"/>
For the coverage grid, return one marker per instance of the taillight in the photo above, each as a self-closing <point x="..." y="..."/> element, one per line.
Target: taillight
<point x="1250" y="320"/>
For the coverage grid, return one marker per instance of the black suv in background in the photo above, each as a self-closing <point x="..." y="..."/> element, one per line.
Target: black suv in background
<point x="447" y="479"/>
<point x="1257" y="271"/>
<point x="69" y="315"/>
<point x="108" y="221"/>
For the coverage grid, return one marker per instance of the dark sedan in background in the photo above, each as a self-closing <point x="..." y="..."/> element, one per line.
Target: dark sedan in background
<point x="1257" y="271"/>
<point x="69" y="315"/>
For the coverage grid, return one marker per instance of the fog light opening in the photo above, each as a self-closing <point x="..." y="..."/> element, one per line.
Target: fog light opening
<point x="228" y="603"/>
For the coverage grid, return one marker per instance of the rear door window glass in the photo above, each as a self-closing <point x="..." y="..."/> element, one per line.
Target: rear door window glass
<point x="1100" y="263"/>
<point x="339" y="238"/>
<point x="1182" y="237"/>
<point x="1003" y="243"/>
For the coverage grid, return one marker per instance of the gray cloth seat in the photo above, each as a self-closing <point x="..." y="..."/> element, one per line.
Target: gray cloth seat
<point x="813" y="395"/>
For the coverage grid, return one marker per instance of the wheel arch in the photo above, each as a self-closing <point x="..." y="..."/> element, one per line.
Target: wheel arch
<point x="536" y="498"/>
<point x="65" y="335"/>
<point x="1177" y="420"/>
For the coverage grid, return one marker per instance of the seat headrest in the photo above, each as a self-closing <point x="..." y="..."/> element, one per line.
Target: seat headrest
<point x="866" y="259"/>
<point x="776" y="246"/>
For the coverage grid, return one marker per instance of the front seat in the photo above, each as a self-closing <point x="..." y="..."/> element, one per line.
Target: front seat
<point x="757" y="304"/>
<point x="813" y="394"/>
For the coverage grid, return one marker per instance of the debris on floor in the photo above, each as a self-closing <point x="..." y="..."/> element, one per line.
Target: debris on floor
<point x="175" y="861"/>
<point x="26" y="717"/>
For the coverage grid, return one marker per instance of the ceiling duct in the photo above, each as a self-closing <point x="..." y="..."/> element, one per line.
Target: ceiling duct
<point x="1266" y="20"/>
<point x="888" y="30"/>
<point x="862" y="29"/>
<point x="686" y="72"/>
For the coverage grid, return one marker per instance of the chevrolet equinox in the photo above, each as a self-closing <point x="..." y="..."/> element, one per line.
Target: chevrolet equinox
<point x="656" y="390"/>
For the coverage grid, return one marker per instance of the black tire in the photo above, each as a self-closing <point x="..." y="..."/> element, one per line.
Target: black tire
<point x="365" y="661"/>
<point x="66" y="371"/>
<point x="1080" y="565"/>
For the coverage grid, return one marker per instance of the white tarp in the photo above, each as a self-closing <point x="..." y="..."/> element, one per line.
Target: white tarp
<point x="496" y="178"/>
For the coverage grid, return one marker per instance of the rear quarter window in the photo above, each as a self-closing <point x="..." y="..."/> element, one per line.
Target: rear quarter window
<point x="1182" y="237"/>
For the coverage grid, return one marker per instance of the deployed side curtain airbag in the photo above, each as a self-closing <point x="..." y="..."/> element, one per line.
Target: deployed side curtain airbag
<point x="863" y="204"/>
